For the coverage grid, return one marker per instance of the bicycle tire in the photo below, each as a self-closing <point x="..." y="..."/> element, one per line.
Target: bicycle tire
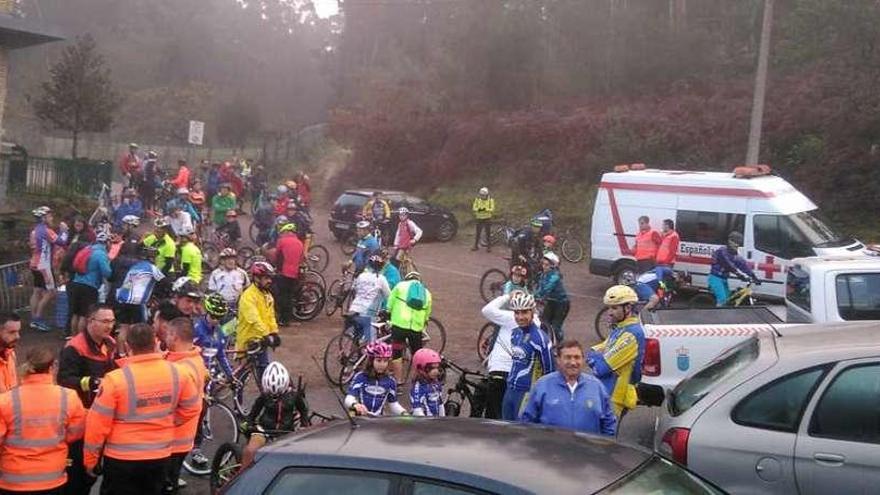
<point x="436" y="333"/>
<point x="348" y="370"/>
<point x="211" y="255"/>
<point x="214" y="434"/>
<point x="314" y="277"/>
<point x="247" y="390"/>
<point x="485" y="340"/>
<point x="602" y="324"/>
<point x="309" y="303"/>
<point x="492" y="284"/>
<point x="572" y="250"/>
<point x="334" y="298"/>
<point x="336" y="355"/>
<point x="318" y="258"/>
<point x="702" y="300"/>
<point x="222" y="470"/>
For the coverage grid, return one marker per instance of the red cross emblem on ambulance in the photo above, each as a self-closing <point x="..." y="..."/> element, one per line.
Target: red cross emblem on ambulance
<point x="769" y="267"/>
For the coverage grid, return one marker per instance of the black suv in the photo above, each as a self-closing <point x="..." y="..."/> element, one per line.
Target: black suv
<point x="436" y="222"/>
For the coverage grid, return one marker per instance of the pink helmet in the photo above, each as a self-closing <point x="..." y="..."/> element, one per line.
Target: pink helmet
<point x="378" y="350"/>
<point x="424" y="357"/>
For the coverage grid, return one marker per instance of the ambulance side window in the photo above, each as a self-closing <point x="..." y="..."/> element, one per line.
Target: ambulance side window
<point x="707" y="227"/>
<point x="777" y="235"/>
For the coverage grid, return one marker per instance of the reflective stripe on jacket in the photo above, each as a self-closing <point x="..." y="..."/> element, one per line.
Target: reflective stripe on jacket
<point x="8" y="376"/>
<point x="668" y="249"/>
<point x="647" y="242"/>
<point x="483" y="208"/>
<point x="193" y="367"/>
<point x="403" y="316"/>
<point x="137" y="407"/>
<point x="617" y="362"/>
<point x="37" y="421"/>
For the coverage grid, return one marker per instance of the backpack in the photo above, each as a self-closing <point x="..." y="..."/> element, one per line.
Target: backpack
<point x="416" y="296"/>
<point x="67" y="260"/>
<point x="81" y="260"/>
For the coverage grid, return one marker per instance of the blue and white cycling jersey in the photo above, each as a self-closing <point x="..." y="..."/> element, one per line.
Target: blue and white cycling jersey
<point x="532" y="359"/>
<point x="209" y="336"/>
<point x="137" y="286"/>
<point x="373" y="393"/>
<point x="427" y="398"/>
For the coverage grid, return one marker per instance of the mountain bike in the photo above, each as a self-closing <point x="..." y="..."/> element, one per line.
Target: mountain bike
<point x="499" y="233"/>
<point x="211" y="250"/>
<point x="245" y="379"/>
<point x="469" y="390"/>
<point x="493" y="280"/>
<point x="318" y="257"/>
<point x="743" y="296"/>
<point x="339" y="294"/>
<point x="602" y="322"/>
<point x="571" y="247"/>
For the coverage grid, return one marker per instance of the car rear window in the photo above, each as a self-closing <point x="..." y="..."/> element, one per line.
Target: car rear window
<point x="661" y="476"/>
<point x="858" y="296"/>
<point x="693" y="388"/>
<point x="348" y="199"/>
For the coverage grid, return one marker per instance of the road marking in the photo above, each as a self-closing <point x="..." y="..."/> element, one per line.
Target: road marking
<point x="472" y="275"/>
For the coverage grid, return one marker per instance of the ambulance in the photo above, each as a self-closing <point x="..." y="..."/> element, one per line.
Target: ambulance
<point x="777" y="221"/>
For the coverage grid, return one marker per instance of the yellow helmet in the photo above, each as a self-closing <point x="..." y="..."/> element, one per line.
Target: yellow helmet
<point x="620" y="294"/>
<point x="291" y="184"/>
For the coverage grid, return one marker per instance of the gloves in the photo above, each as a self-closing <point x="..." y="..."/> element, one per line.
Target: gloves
<point x="89" y="384"/>
<point x="272" y="340"/>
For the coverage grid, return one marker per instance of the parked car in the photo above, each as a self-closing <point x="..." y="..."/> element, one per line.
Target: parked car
<point x="437" y="222"/>
<point x="457" y="456"/>
<point x="795" y="411"/>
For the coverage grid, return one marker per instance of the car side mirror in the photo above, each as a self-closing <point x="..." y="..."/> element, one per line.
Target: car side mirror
<point x="650" y="395"/>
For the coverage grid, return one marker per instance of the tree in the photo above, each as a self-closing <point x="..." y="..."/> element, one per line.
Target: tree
<point x="79" y="97"/>
<point x="239" y="120"/>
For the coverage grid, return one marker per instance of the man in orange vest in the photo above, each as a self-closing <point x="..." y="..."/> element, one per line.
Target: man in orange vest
<point x="10" y="332"/>
<point x="647" y="242"/>
<point x="669" y="242"/>
<point x="181" y="351"/>
<point x="132" y="419"/>
<point x="37" y="421"/>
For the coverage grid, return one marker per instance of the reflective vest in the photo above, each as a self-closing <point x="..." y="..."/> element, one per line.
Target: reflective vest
<point x="483" y="208"/>
<point x="137" y="407"/>
<point x="37" y="421"/>
<point x="668" y="249"/>
<point x="403" y="316"/>
<point x="8" y="376"/>
<point x="647" y="242"/>
<point x="192" y="366"/>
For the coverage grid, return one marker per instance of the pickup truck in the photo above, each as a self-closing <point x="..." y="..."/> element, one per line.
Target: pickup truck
<point x="818" y="289"/>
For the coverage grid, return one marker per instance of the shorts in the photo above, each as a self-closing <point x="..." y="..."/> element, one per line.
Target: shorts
<point x="81" y="297"/>
<point x="43" y="279"/>
<point x="400" y="336"/>
<point x="129" y="314"/>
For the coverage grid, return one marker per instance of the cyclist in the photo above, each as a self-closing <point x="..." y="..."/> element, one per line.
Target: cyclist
<point x="222" y="202"/>
<point x="426" y="395"/>
<point x="208" y="332"/>
<point x="551" y="291"/>
<point x="135" y="289"/>
<point x="231" y="228"/>
<point x="278" y="409"/>
<point x="289" y="256"/>
<point x="526" y="246"/>
<point x="166" y="249"/>
<point x="651" y="285"/>
<point x="186" y="296"/>
<point x="179" y="220"/>
<point x="370" y="290"/>
<point x="303" y="222"/>
<point x="391" y="273"/>
<point x="407" y="235"/>
<point x="256" y="314"/>
<point x="727" y="261"/>
<point x="130" y="241"/>
<point x="531" y="354"/>
<point x="409" y="305"/>
<point x="549" y="243"/>
<point x="367" y="246"/>
<point x="519" y="279"/>
<point x="190" y="256"/>
<point x="374" y="386"/>
<point x="483" y="208"/>
<point x="130" y="205"/>
<point x="377" y="211"/>
<point x="43" y="242"/>
<point x="228" y="279"/>
<point x="617" y="362"/>
<point x="281" y="200"/>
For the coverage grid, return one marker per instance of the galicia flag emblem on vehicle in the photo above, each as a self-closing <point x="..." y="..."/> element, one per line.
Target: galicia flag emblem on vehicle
<point x="684" y="359"/>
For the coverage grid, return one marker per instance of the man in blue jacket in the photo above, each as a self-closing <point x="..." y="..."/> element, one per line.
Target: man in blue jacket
<point x="570" y="398"/>
<point x="82" y="291"/>
<point x="530" y="350"/>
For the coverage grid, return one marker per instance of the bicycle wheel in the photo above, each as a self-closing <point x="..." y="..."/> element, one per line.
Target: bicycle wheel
<point x="318" y="258"/>
<point x="313" y="277"/>
<point x="335" y="297"/>
<point x="348" y="369"/>
<point x="572" y="250"/>
<point x="337" y="354"/>
<point x="703" y="300"/>
<point x="486" y="340"/>
<point x="210" y="254"/>
<point x="245" y="253"/>
<point x="602" y="324"/>
<point x="309" y="303"/>
<point x="218" y="426"/>
<point x="434" y="335"/>
<point x="224" y="466"/>
<point x="247" y="389"/>
<point x="348" y="245"/>
<point x="492" y="284"/>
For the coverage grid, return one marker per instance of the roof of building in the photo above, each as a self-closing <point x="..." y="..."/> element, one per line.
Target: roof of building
<point x="19" y="32"/>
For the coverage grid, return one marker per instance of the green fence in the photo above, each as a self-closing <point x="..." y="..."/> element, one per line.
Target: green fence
<point x="50" y="176"/>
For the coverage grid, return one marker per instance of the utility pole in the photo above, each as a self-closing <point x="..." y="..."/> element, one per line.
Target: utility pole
<point x="760" y="87"/>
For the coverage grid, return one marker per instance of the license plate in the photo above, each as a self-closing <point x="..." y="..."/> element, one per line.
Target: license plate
<point x="343" y="226"/>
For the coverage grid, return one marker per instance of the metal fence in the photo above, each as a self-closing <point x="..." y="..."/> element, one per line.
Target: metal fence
<point x="49" y="176"/>
<point x="16" y="285"/>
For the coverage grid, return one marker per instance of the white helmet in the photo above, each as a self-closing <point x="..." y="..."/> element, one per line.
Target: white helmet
<point x="132" y="220"/>
<point x="186" y="230"/>
<point x="403" y="211"/>
<point x="102" y="236"/>
<point x="183" y="190"/>
<point x="41" y="211"/>
<point x="484" y="191"/>
<point x="552" y="258"/>
<point x="276" y="379"/>
<point x="282" y="189"/>
<point x="521" y="300"/>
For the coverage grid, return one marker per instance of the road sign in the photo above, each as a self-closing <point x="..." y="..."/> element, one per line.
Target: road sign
<point x="196" y="132"/>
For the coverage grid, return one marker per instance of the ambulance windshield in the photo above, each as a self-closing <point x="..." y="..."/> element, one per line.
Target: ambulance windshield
<point x="817" y="232"/>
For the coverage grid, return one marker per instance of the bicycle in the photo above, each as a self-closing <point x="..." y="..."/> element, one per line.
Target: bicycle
<point x="339" y="294"/>
<point x="743" y="296"/>
<point x="499" y="233"/>
<point x="405" y="261"/>
<point x="318" y="257"/>
<point x="470" y="388"/>
<point x="570" y="246"/>
<point x="492" y="281"/>
<point x="245" y="379"/>
<point x="602" y="322"/>
<point x="309" y="302"/>
<point x="211" y="250"/>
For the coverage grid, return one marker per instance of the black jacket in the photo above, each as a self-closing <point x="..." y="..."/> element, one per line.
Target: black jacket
<point x="83" y="357"/>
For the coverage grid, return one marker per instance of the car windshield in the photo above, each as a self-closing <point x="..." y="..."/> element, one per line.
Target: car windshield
<point x="693" y="388"/>
<point x="817" y="232"/>
<point x="348" y="199"/>
<point x="661" y="476"/>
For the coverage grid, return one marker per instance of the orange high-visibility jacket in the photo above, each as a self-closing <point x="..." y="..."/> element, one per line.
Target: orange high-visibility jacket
<point x="137" y="407"/>
<point x="193" y="368"/>
<point x="37" y="421"/>
<point x="668" y="249"/>
<point x="8" y="376"/>
<point x="647" y="242"/>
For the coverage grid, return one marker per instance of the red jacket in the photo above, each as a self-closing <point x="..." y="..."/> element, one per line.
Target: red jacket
<point x="129" y="164"/>
<point x="647" y="242"/>
<point x="182" y="179"/>
<point x="304" y="189"/>
<point x="289" y="254"/>
<point x="668" y="249"/>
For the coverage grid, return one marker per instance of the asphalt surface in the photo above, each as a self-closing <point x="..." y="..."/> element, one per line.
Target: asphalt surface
<point x="452" y="273"/>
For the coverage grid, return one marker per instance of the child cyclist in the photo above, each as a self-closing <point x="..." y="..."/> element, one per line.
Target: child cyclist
<point x="426" y="395"/>
<point x="279" y="409"/>
<point x="519" y="279"/>
<point x="374" y="387"/>
<point x="208" y="333"/>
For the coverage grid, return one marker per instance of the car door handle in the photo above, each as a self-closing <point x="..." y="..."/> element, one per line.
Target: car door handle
<point x="831" y="459"/>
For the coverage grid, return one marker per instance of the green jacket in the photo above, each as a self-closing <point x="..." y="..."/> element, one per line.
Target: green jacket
<point x="220" y="204"/>
<point x="403" y="316"/>
<point x="484" y="208"/>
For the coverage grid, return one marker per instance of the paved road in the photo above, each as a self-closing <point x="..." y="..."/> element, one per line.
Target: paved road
<point x="452" y="273"/>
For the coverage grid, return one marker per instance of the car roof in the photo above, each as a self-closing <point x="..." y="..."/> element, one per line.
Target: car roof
<point x="369" y="192"/>
<point x="475" y="452"/>
<point x="829" y="341"/>
<point x="859" y="261"/>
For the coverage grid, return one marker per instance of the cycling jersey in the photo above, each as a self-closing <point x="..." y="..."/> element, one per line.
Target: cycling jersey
<point x="182" y="222"/>
<point x="532" y="358"/>
<point x="617" y="362"/>
<point x="228" y="283"/>
<point x="278" y="413"/>
<point x="137" y="286"/>
<point x="509" y="287"/>
<point x="42" y="239"/>
<point x="725" y="262"/>
<point x="649" y="282"/>
<point x="373" y="393"/>
<point x="370" y="290"/>
<point x="366" y="247"/>
<point x="426" y="398"/>
<point x="191" y="261"/>
<point x="166" y="251"/>
<point x="500" y="357"/>
<point x="209" y="336"/>
<point x="550" y="286"/>
<point x="408" y="233"/>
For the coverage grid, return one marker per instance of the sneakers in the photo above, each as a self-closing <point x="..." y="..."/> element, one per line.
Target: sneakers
<point x="199" y="458"/>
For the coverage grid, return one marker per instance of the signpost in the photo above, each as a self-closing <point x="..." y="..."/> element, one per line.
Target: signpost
<point x="196" y="132"/>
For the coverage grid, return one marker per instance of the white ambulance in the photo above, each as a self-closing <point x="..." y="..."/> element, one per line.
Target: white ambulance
<point x="777" y="221"/>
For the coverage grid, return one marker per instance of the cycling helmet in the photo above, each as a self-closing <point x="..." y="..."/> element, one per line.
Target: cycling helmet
<point x="425" y="357"/>
<point x="536" y="222"/>
<point x="102" y="236"/>
<point x="521" y="301"/>
<point x="552" y="258"/>
<point x="152" y="154"/>
<point x="187" y="289"/>
<point x="132" y="220"/>
<point x="376" y="261"/>
<point x="549" y="239"/>
<point x="133" y="145"/>
<point x="413" y="275"/>
<point x="261" y="268"/>
<point x="378" y="350"/>
<point x="183" y="190"/>
<point x="363" y="224"/>
<point x="735" y="238"/>
<point x="41" y="211"/>
<point x="484" y="191"/>
<point x="281" y="220"/>
<point x="160" y="223"/>
<point x="403" y="211"/>
<point x="282" y="189"/>
<point x="276" y="378"/>
<point x="287" y="227"/>
<point x="186" y="230"/>
<point x="215" y="305"/>
<point x="519" y="270"/>
<point x="291" y="185"/>
<point x="228" y="253"/>
<point x="620" y="294"/>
